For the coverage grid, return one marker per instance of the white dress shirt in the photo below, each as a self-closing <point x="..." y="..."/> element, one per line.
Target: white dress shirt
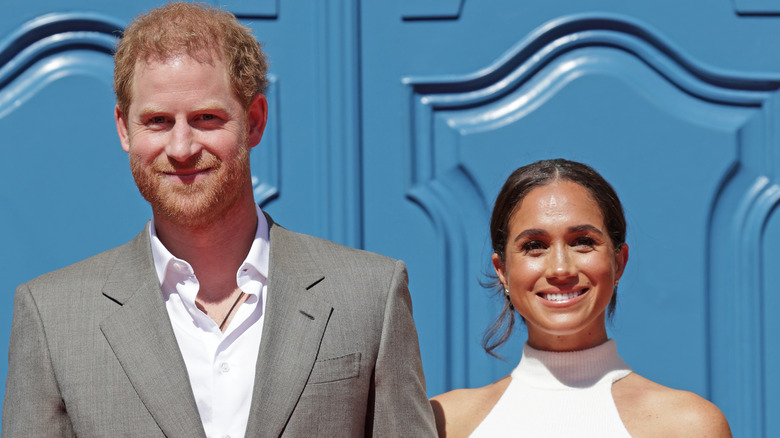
<point x="221" y="366"/>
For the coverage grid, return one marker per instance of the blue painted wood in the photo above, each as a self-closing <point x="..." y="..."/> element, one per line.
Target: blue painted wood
<point x="770" y="258"/>
<point x="55" y="125"/>
<point x="250" y="8"/>
<point x="314" y="59"/>
<point x="23" y="75"/>
<point x="392" y="126"/>
<point x="443" y="94"/>
<point x="757" y="7"/>
<point x="431" y="9"/>
<point x="337" y="148"/>
<point x="673" y="132"/>
<point x="738" y="317"/>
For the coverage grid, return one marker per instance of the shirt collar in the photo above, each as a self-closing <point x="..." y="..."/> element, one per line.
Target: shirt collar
<point x="252" y="273"/>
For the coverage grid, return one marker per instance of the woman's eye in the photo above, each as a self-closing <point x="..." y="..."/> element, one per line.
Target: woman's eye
<point x="584" y="241"/>
<point x="533" y="246"/>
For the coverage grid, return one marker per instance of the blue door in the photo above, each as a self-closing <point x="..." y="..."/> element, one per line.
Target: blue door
<point x="392" y="127"/>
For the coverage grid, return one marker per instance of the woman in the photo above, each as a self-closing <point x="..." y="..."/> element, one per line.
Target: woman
<point x="558" y="235"/>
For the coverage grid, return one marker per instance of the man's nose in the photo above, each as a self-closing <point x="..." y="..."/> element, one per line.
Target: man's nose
<point x="182" y="144"/>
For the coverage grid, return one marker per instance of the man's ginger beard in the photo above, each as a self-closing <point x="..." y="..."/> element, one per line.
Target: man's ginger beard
<point x="196" y="204"/>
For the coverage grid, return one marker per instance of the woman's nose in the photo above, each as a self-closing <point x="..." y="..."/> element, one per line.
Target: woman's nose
<point x="560" y="264"/>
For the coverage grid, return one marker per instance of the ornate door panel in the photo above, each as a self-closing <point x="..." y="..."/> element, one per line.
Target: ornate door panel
<point x="682" y="123"/>
<point x="392" y="126"/>
<point x="67" y="192"/>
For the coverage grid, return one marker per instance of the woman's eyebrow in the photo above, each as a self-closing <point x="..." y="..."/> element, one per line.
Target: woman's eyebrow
<point x="531" y="232"/>
<point x="585" y="227"/>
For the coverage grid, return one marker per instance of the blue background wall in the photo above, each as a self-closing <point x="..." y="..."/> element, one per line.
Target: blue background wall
<point x="392" y="126"/>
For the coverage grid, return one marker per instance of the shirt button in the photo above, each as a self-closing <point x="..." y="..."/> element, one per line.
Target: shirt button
<point x="225" y="436"/>
<point x="225" y="367"/>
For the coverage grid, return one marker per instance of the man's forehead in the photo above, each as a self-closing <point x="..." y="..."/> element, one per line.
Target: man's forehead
<point x="174" y="58"/>
<point x="150" y="63"/>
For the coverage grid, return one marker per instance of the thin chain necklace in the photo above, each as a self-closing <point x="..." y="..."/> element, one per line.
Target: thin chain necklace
<point x="231" y="310"/>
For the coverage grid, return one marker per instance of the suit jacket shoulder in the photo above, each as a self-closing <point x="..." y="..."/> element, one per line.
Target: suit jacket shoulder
<point x="324" y="252"/>
<point x="92" y="273"/>
<point x="92" y="353"/>
<point x="339" y="323"/>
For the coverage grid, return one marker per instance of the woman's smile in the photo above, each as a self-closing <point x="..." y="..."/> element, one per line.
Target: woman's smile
<point x="560" y="266"/>
<point x="562" y="297"/>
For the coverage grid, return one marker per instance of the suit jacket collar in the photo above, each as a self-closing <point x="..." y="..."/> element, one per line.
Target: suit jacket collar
<point x="141" y="336"/>
<point x="293" y="329"/>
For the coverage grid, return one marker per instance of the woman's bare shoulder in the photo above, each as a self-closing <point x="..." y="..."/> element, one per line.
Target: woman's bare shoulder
<point x="650" y="409"/>
<point x="460" y="411"/>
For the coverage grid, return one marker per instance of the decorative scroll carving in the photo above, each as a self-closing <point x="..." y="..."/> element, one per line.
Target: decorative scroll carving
<point x="57" y="45"/>
<point x="444" y="109"/>
<point x="52" y="45"/>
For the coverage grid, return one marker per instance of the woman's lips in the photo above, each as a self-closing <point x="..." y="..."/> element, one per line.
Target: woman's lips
<point x="562" y="296"/>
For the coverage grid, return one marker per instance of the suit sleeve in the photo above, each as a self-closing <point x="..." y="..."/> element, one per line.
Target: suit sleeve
<point x="33" y="406"/>
<point x="399" y="404"/>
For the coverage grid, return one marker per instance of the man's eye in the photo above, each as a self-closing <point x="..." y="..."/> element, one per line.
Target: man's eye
<point x="157" y="120"/>
<point x="207" y="117"/>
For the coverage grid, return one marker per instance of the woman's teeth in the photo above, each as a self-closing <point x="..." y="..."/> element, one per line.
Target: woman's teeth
<point x="563" y="297"/>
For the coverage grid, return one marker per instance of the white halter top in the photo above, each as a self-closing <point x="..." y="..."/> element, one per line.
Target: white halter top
<point x="566" y="394"/>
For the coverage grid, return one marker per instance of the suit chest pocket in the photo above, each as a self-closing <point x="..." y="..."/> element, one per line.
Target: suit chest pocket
<point x="335" y="369"/>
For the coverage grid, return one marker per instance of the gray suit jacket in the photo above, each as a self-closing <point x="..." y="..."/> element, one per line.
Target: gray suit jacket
<point x="93" y="354"/>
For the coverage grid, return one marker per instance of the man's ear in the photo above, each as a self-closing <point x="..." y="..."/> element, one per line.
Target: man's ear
<point x="257" y="117"/>
<point x="121" y="128"/>
<point x="500" y="268"/>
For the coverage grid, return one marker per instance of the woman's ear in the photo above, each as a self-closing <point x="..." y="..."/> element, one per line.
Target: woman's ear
<point x="498" y="265"/>
<point x="621" y="258"/>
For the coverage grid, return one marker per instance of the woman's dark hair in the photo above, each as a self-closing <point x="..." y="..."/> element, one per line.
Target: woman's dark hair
<point x="515" y="189"/>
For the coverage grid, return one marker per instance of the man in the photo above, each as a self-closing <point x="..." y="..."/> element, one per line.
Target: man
<point x="214" y="321"/>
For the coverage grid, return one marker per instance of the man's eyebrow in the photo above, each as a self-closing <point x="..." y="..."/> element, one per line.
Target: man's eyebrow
<point x="149" y="110"/>
<point x="208" y="106"/>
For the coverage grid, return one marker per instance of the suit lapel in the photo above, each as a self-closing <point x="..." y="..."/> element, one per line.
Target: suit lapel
<point x="141" y="336"/>
<point x="294" y="325"/>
